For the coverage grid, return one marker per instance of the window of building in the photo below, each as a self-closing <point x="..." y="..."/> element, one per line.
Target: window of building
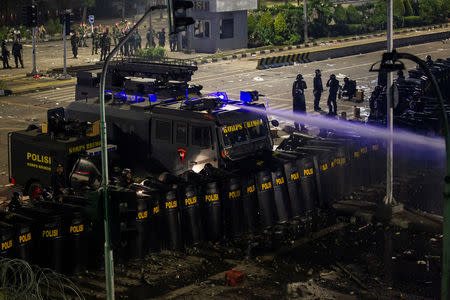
<point x="181" y="133"/>
<point x="201" y="29"/>
<point x="226" y="28"/>
<point x="163" y="129"/>
<point x="201" y="136"/>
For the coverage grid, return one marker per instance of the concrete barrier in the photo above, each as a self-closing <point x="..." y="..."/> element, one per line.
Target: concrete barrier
<point x="290" y="59"/>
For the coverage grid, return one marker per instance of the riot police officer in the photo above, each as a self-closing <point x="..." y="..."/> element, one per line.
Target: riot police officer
<point x="333" y="84"/>
<point x="298" y="94"/>
<point x="59" y="182"/>
<point x="74" y="40"/>
<point x="15" y="203"/>
<point x="318" y="89"/>
<point x="5" y="56"/>
<point x="126" y="179"/>
<point x="162" y="38"/>
<point x="17" y="52"/>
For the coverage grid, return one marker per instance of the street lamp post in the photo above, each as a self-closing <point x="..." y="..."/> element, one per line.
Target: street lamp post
<point x="34" y="71"/>
<point x="389" y="199"/>
<point x="109" y="264"/>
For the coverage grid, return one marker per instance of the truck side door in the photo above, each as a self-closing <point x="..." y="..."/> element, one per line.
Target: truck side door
<point x="201" y="147"/>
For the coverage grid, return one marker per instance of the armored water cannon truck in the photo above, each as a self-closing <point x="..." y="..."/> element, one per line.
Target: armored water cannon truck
<point x="178" y="135"/>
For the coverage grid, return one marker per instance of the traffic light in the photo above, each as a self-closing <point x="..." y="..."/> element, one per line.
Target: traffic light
<point x="29" y="15"/>
<point x="178" y="19"/>
<point x="66" y="18"/>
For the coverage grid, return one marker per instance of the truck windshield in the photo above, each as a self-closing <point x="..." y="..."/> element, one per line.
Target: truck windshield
<point x="243" y="132"/>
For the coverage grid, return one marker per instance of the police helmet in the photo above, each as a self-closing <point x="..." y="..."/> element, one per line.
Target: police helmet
<point x="346" y="79"/>
<point x="16" y="197"/>
<point x="299" y="77"/>
<point x="125" y="172"/>
<point x="318" y="72"/>
<point x="332" y="76"/>
<point x="428" y="57"/>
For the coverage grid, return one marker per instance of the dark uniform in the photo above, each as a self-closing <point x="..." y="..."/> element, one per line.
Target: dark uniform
<point x="15" y="203"/>
<point x="349" y="88"/>
<point x="17" y="52"/>
<point x="74" y="40"/>
<point x="5" y="56"/>
<point x="173" y="42"/>
<point x="298" y="94"/>
<point x="162" y="38"/>
<point x="150" y="38"/>
<point x="59" y="183"/>
<point x="126" y="180"/>
<point x="333" y="84"/>
<point x="105" y="44"/>
<point x="318" y="89"/>
<point x="95" y="42"/>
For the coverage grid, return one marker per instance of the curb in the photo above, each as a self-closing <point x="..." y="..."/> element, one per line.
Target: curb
<point x="323" y="54"/>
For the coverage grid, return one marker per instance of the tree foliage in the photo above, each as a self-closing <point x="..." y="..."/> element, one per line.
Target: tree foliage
<point x="408" y="8"/>
<point x="340" y="14"/>
<point x="264" y="29"/>
<point x="280" y="26"/>
<point x="353" y="16"/>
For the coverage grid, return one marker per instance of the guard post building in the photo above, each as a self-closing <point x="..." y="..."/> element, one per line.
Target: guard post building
<point x="219" y="24"/>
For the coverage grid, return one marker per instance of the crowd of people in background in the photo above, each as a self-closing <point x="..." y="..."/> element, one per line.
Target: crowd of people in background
<point x="103" y="37"/>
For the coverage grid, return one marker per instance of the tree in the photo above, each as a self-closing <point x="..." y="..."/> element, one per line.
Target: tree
<point x="340" y="15"/>
<point x="265" y="29"/>
<point x="280" y="26"/>
<point x="430" y="10"/>
<point x="378" y="18"/>
<point x="408" y="8"/>
<point x="353" y="16"/>
<point x="86" y="4"/>
<point x="399" y="8"/>
<point x="321" y="12"/>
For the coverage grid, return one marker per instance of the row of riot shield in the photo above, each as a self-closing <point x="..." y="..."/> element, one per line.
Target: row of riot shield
<point x="49" y="235"/>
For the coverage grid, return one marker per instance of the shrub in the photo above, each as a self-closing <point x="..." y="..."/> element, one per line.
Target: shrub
<point x="413" y="21"/>
<point x="53" y="27"/>
<point x="295" y="39"/>
<point x="3" y="33"/>
<point x="152" y="53"/>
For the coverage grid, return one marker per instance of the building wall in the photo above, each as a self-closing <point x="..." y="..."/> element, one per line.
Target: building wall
<point x="227" y="29"/>
<point x="232" y="5"/>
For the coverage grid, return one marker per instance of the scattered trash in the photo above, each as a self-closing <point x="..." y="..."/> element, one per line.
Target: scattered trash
<point x="233" y="277"/>
<point x="330" y="65"/>
<point x="340" y="75"/>
<point x="374" y="81"/>
<point x="258" y="78"/>
<point x="36" y="76"/>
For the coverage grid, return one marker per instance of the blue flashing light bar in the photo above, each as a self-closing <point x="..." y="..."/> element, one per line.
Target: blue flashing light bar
<point x="221" y="95"/>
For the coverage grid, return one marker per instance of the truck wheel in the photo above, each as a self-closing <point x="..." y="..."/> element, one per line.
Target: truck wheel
<point x="34" y="190"/>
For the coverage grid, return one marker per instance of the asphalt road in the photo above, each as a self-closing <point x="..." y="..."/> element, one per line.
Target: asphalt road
<point x="17" y="112"/>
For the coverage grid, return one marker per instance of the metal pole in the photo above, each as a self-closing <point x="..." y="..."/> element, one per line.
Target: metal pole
<point x="305" y="21"/>
<point x="64" y="47"/>
<point x="109" y="263"/>
<point x="389" y="200"/>
<point x="34" y="71"/>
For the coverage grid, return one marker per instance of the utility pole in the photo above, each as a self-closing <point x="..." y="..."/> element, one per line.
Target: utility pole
<point x="34" y="71"/>
<point x="389" y="199"/>
<point x="109" y="262"/>
<point x="64" y="43"/>
<point x="305" y="21"/>
<point x="123" y="10"/>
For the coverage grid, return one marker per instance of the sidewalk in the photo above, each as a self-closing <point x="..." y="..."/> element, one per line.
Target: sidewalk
<point x="22" y="84"/>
